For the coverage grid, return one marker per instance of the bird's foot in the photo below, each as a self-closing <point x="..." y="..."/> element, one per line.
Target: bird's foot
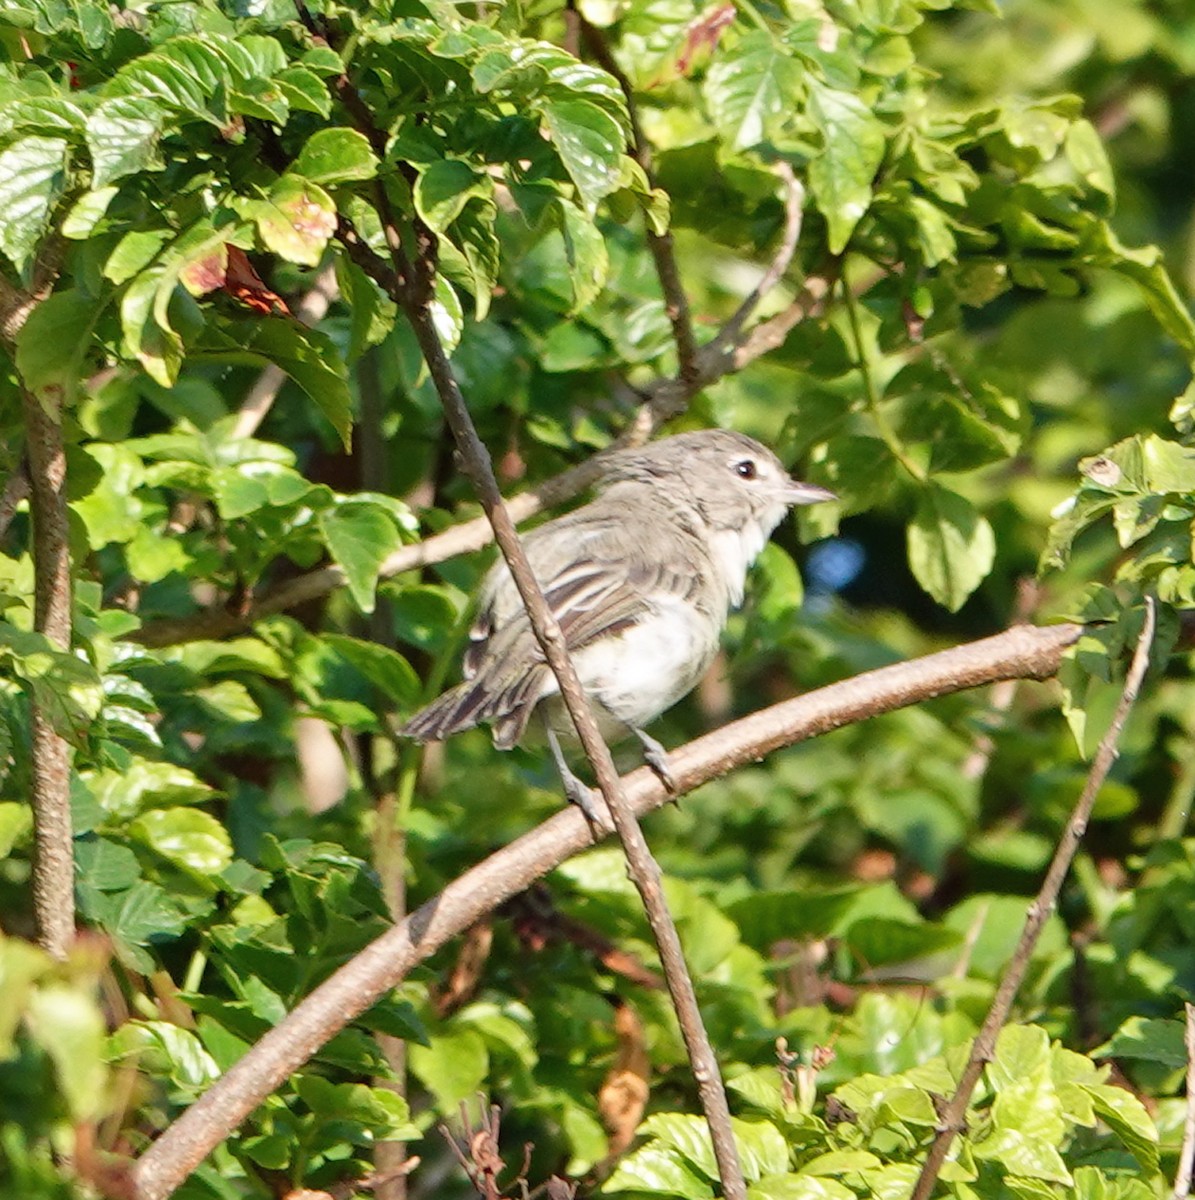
<point x="578" y="792"/>
<point x="656" y="757"/>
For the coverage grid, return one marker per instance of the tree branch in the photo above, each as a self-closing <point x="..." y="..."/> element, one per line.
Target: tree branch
<point x="1022" y="653"/>
<point x="676" y="303"/>
<point x="642" y="866"/>
<point x="54" y="864"/>
<point x="953" y="1116"/>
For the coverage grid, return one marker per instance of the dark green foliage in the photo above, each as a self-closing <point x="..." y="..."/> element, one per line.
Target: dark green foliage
<point x="996" y="376"/>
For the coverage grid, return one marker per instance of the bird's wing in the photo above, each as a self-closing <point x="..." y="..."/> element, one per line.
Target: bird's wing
<point x="597" y="578"/>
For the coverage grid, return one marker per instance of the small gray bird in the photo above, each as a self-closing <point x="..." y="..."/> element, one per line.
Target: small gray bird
<point x="641" y="580"/>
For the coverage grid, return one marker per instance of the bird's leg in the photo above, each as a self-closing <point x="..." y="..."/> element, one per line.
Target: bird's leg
<point x="576" y="790"/>
<point x="656" y="757"/>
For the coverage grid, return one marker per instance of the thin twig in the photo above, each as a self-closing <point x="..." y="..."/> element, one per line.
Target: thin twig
<point x="54" y="865"/>
<point x="663" y="253"/>
<point x="953" y="1115"/>
<point x="641" y="865"/>
<point x="794" y="209"/>
<point x="1023" y="652"/>
<point x="1186" y="1157"/>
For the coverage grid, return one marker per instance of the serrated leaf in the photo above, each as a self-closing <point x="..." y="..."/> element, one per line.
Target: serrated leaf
<point x="750" y="87"/>
<point x="122" y="138"/>
<point x="1129" y="1119"/>
<point x="308" y="356"/>
<point x="951" y="546"/>
<point x="32" y="177"/>
<point x="336" y="156"/>
<point x="660" y="1171"/>
<point x="296" y="220"/>
<point x="1153" y="1039"/>
<point x="51" y="343"/>
<point x="841" y="176"/>
<point x="189" y="837"/>
<point x="359" y="537"/>
<point x="799" y="1187"/>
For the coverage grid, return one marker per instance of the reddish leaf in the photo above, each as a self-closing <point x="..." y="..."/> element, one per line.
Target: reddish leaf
<point x="244" y="284"/>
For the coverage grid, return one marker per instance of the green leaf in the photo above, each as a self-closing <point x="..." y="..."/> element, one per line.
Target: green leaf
<point x="585" y="250"/>
<point x="16" y="823"/>
<point x="389" y="671"/>
<point x="296" y="220"/>
<point x="360" y="537"/>
<point x="660" y="1171"/>
<point x="336" y="156"/>
<point x="951" y="546"/>
<point x="443" y="189"/>
<point x="52" y="342"/>
<point x="452" y="1068"/>
<point x="308" y="356"/>
<point x="70" y="1028"/>
<point x="1151" y="1039"/>
<point x="590" y="143"/>
<point x="799" y="1187"/>
<point x="122" y="137"/>
<point x="32" y="177"/>
<point x="751" y="87"/>
<point x="1129" y="1119"/>
<point x="841" y="177"/>
<point x="188" y="837"/>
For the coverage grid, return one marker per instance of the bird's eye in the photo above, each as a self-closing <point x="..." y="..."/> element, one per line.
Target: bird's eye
<point x="746" y="469"/>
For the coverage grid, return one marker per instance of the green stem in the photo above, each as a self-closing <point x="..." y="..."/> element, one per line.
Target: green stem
<point x="883" y="427"/>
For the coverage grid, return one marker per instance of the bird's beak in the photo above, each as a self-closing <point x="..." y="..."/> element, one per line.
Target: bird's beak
<point x="796" y="492"/>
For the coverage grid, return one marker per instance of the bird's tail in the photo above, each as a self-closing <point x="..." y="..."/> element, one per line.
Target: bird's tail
<point x="476" y="700"/>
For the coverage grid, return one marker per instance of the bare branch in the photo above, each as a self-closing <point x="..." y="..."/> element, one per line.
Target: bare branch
<point x="54" y="865"/>
<point x="1186" y="1156"/>
<point x="794" y="207"/>
<point x="953" y="1115"/>
<point x="1023" y="653"/>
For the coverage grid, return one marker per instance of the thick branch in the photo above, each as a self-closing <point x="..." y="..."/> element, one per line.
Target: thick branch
<point x="954" y="1114"/>
<point x="53" y="869"/>
<point x="1021" y="653"/>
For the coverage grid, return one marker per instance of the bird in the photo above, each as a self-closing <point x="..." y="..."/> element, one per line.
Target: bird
<point x="641" y="581"/>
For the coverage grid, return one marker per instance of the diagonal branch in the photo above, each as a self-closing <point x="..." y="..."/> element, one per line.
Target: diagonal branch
<point x="953" y="1116"/>
<point x="642" y="866"/>
<point x="1020" y="653"/>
